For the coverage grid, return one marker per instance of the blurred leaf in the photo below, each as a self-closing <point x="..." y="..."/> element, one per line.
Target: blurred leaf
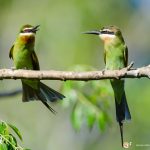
<point x="76" y="117"/>
<point x="90" y="100"/>
<point x="91" y="118"/>
<point x="15" y="129"/>
<point x="2" y="128"/>
<point x="101" y="121"/>
<point x="3" y="146"/>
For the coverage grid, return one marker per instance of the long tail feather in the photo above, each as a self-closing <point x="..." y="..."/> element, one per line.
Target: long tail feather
<point x="44" y="93"/>
<point x="50" y="93"/>
<point x="29" y="94"/>
<point x="122" y="109"/>
<point x="50" y="108"/>
<point x="122" y="113"/>
<point x="121" y="132"/>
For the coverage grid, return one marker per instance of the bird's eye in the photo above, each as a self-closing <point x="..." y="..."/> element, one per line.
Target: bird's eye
<point x="25" y="31"/>
<point x="107" y="32"/>
<point x="104" y="32"/>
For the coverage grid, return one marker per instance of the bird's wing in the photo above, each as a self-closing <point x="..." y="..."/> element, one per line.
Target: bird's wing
<point x="126" y="56"/>
<point x="35" y="61"/>
<point x="11" y="52"/>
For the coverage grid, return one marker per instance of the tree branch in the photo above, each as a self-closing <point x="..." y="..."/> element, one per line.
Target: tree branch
<point x="70" y="75"/>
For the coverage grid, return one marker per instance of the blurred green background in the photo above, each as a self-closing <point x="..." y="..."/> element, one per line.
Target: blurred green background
<point x="59" y="46"/>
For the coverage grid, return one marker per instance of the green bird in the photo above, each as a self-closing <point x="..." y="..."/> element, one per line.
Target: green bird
<point x="115" y="57"/>
<point x="24" y="57"/>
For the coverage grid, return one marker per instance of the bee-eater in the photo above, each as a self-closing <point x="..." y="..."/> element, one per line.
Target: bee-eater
<point x="115" y="57"/>
<point x="24" y="57"/>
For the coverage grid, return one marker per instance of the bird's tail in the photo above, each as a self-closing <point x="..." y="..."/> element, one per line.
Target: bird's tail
<point x="44" y="93"/>
<point x="122" y="113"/>
<point x="122" y="109"/>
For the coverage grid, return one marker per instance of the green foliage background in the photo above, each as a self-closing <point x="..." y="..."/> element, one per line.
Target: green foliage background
<point x="60" y="45"/>
<point x="8" y="140"/>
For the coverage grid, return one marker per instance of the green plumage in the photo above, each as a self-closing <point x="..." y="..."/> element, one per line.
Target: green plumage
<point x="23" y="54"/>
<point x="115" y="57"/>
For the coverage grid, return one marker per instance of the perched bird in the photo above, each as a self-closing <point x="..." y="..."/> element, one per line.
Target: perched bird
<point x="115" y="57"/>
<point x="24" y="57"/>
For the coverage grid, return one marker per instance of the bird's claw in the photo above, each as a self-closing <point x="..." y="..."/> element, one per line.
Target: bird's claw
<point x="129" y="66"/>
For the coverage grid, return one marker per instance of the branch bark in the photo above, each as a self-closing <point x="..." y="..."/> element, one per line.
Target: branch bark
<point x="70" y="75"/>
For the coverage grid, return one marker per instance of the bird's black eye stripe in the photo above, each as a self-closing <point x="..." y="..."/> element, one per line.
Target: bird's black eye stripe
<point x="26" y="31"/>
<point x="107" y="32"/>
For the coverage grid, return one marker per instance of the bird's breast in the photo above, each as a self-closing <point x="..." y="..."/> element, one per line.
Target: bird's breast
<point x="114" y="59"/>
<point x="22" y="58"/>
<point x="27" y="39"/>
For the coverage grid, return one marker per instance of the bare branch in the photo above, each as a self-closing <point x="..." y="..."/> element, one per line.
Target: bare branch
<point x="70" y="75"/>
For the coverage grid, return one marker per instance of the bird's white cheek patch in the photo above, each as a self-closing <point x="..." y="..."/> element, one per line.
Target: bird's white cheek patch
<point x="107" y="36"/>
<point x="27" y="34"/>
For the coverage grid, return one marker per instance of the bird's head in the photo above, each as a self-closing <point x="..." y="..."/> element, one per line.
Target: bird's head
<point x="27" y="34"/>
<point x="28" y="30"/>
<point x="107" y="34"/>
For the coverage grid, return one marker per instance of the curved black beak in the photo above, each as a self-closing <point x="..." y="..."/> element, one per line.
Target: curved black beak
<point x="34" y="29"/>
<point x="96" y="32"/>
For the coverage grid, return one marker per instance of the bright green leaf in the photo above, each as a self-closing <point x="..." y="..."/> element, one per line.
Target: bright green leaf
<point x="2" y="127"/>
<point x="12" y="140"/>
<point x="15" y="129"/>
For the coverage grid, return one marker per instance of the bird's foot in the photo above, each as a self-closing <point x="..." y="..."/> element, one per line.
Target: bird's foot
<point x="130" y="66"/>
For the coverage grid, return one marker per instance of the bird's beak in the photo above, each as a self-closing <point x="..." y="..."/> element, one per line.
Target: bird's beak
<point x="96" y="32"/>
<point x="34" y="29"/>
